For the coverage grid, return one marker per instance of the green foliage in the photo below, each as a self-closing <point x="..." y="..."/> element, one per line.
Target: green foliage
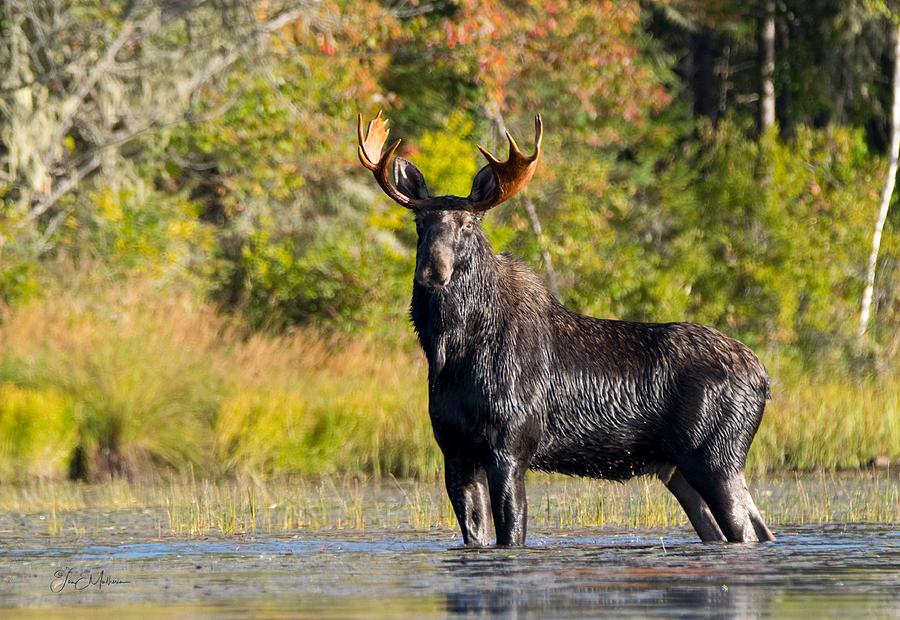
<point x="650" y="211"/>
<point x="765" y="240"/>
<point x="295" y="244"/>
<point x="446" y="157"/>
<point x="139" y="231"/>
<point x="326" y="272"/>
<point x="19" y="278"/>
<point x="647" y="214"/>
<point x="37" y="433"/>
<point x="778" y="259"/>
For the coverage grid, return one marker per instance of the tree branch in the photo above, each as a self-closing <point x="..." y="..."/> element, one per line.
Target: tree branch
<point x="90" y="161"/>
<point x="72" y="104"/>
<point x="70" y="182"/>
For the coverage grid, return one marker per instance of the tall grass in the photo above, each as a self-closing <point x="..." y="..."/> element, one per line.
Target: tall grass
<point x="142" y="377"/>
<point x="136" y="381"/>
<point x="187" y="506"/>
<point x="826" y="419"/>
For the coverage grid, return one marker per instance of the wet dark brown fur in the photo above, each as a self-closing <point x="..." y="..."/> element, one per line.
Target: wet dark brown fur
<point x="518" y="382"/>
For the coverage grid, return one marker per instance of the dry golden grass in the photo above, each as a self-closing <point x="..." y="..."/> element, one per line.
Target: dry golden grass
<point x="149" y="381"/>
<point x="139" y="381"/>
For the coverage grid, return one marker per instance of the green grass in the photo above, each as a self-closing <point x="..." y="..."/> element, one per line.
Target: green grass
<point x="826" y="420"/>
<point x="132" y="381"/>
<point x="187" y="507"/>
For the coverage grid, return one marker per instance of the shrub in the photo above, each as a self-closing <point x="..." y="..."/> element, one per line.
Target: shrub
<point x="37" y="433"/>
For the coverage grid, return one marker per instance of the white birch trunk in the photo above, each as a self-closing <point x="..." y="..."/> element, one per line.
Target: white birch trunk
<point x="886" y="194"/>
<point x="767" y="68"/>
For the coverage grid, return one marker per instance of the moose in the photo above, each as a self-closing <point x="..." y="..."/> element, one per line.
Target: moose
<point x="516" y="381"/>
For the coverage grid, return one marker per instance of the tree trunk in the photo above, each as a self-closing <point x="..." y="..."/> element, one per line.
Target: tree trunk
<point x="767" y="67"/>
<point x="887" y="192"/>
<point x="723" y="72"/>
<point x="542" y="243"/>
<point x="703" y="74"/>
<point x="784" y="100"/>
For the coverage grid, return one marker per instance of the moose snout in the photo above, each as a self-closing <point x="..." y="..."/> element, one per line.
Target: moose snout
<point x="435" y="268"/>
<point x="433" y="278"/>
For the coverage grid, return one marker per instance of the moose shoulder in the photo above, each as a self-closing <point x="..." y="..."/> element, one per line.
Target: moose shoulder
<point x="516" y="381"/>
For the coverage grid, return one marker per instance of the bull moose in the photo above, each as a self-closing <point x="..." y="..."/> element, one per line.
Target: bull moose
<point x="516" y="381"/>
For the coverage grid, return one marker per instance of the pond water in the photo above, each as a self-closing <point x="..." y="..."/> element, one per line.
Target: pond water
<point x="835" y="571"/>
<point x="125" y="562"/>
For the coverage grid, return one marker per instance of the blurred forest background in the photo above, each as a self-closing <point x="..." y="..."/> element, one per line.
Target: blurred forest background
<point x="197" y="274"/>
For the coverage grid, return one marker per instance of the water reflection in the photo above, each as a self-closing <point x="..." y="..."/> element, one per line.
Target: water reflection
<point x="639" y="600"/>
<point x="504" y="584"/>
<point x="851" y="570"/>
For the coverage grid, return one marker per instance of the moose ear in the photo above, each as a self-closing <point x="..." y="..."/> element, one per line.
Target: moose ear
<point x="409" y="179"/>
<point x="484" y="185"/>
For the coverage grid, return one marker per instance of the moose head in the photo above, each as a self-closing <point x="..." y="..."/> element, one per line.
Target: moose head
<point x="447" y="226"/>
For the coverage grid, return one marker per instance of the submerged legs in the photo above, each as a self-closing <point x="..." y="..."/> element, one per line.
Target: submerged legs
<point x="477" y="493"/>
<point x="697" y="511"/>
<point x="731" y="504"/>
<point x="719" y="507"/>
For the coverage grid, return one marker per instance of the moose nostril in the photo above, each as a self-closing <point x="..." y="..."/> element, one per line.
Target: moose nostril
<point x="433" y="278"/>
<point x="440" y="280"/>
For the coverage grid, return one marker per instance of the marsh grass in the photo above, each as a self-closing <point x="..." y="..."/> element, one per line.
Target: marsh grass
<point x="826" y="419"/>
<point x="130" y="381"/>
<point x="188" y="507"/>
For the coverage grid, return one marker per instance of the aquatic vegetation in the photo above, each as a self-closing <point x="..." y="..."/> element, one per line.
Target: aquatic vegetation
<point x="186" y="506"/>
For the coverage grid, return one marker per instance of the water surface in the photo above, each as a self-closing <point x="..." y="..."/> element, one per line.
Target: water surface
<point x="835" y="571"/>
<point x="397" y="567"/>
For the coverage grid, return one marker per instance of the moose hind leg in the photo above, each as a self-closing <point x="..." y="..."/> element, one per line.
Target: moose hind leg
<point x="468" y="491"/>
<point x="763" y="533"/>
<point x="726" y="495"/>
<point x="693" y="504"/>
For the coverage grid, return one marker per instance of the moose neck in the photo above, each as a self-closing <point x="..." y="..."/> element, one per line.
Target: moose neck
<point x="448" y="319"/>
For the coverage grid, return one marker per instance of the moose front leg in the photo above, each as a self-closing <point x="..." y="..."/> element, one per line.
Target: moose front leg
<point x="506" y="481"/>
<point x="468" y="491"/>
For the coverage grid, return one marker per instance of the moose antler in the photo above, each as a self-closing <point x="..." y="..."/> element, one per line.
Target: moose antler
<point x="509" y="176"/>
<point x="372" y="144"/>
<point x="513" y="174"/>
